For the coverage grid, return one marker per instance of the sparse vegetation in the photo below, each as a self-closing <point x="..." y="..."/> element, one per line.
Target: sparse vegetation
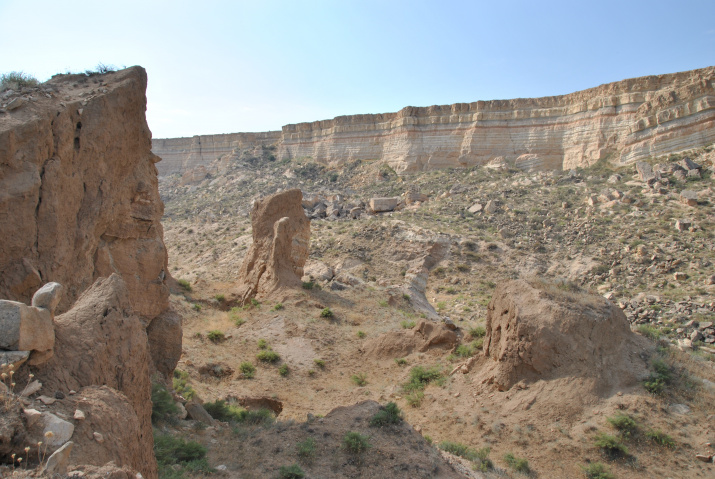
<point x="220" y="298"/>
<point x="597" y="470"/>
<point x="291" y="472"/>
<point x="278" y="307"/>
<point x="181" y="385"/>
<point x="184" y="284"/>
<point x="283" y="370"/>
<point x="407" y="324"/>
<point x="660" y="438"/>
<point x="326" y="313"/>
<point x="386" y="416"/>
<point x="480" y="457"/>
<point x="308" y="285"/>
<point x="17" y="81"/>
<point x="268" y="356"/>
<point x="518" y="464"/>
<point x="162" y="404"/>
<point x="247" y="369"/>
<point x="175" y="456"/>
<point x="420" y="377"/>
<point x="611" y="446"/>
<point x="359" y="379"/>
<point x="262" y="344"/>
<point x="306" y="449"/>
<point x="319" y="362"/>
<point x="356" y="443"/>
<point x="216" y="336"/>
<point x="659" y="378"/>
<point x="624" y="423"/>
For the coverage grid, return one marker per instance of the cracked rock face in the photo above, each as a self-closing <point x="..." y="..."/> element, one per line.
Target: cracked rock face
<point x="78" y="191"/>
<point x="281" y="238"/>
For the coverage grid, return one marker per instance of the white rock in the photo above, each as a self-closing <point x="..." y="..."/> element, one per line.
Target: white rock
<point x="48" y="297"/>
<point x="31" y="388"/>
<point x="59" y="460"/>
<point x="79" y="415"/>
<point x="98" y="437"/>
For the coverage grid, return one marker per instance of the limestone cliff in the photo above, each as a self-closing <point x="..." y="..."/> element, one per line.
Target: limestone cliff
<point x="78" y="190"/>
<point x="623" y="122"/>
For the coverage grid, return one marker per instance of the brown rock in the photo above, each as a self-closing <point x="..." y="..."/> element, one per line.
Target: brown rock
<point x="92" y="167"/>
<point x="262" y="402"/>
<point x="281" y="238"/>
<point x="165" y="339"/>
<point x="539" y="331"/>
<point x="426" y="335"/>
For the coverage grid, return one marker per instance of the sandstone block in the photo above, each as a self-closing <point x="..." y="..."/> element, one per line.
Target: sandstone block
<point x="475" y="208"/>
<point x="13" y="359"/>
<point x="24" y="328"/>
<point x="52" y="430"/>
<point x="48" y="297"/>
<point x="59" y="460"/>
<point x="689" y="164"/>
<point x="689" y="197"/>
<point x="682" y="225"/>
<point x="380" y="205"/>
<point x="197" y="412"/>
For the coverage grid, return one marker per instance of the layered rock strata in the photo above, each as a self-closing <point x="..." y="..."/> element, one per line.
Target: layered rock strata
<point x="623" y="122"/>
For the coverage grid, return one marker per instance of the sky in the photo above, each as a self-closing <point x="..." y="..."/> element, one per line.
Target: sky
<point x="240" y="66"/>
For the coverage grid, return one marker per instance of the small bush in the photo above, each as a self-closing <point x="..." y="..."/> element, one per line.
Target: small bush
<point x="361" y="334"/>
<point x="414" y="399"/>
<point x="659" y="378"/>
<point x="181" y="386"/>
<point x="326" y="313"/>
<point x="610" y="445"/>
<point x="516" y="463"/>
<point x="262" y="344"/>
<point x="308" y="284"/>
<point x="283" y="370"/>
<point x="175" y="455"/>
<point x="477" y="332"/>
<point x="255" y="303"/>
<point x="390" y="414"/>
<point x="216" y="336"/>
<point x="356" y="443"/>
<point x="17" y="80"/>
<point x="624" y="423"/>
<point x="196" y="306"/>
<point x="234" y="315"/>
<point x="162" y="404"/>
<point x="306" y="449"/>
<point x="360" y="379"/>
<point x="407" y="324"/>
<point x="660" y="438"/>
<point x="420" y="377"/>
<point x="649" y="332"/>
<point x="291" y="472"/>
<point x="319" y="362"/>
<point x="597" y="470"/>
<point x="220" y="298"/>
<point x="222" y="411"/>
<point x="480" y="457"/>
<point x="278" y="307"/>
<point x="400" y="361"/>
<point x="184" y="284"/>
<point x="268" y="356"/>
<point x="247" y="369"/>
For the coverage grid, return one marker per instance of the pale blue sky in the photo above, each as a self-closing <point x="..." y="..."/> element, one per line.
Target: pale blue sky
<point x="227" y="66"/>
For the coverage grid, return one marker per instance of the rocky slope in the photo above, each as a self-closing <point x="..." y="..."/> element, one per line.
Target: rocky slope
<point x="623" y="121"/>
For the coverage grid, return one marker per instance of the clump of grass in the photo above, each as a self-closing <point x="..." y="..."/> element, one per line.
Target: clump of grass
<point x="234" y="315"/>
<point x="196" y="306"/>
<point x="597" y="470"/>
<point x="624" y="423"/>
<point x="660" y="438"/>
<point x="420" y="377"/>
<point x="222" y="411"/>
<point x="610" y="445"/>
<point x="414" y="399"/>
<point x="407" y="324"/>
<point x="220" y="298"/>
<point x="649" y="332"/>
<point x="255" y="303"/>
<point x="360" y="334"/>
<point x="308" y="285"/>
<point x="216" y="336"/>
<point x="477" y="332"/>
<point x="516" y="463"/>
<point x="326" y="313"/>
<point x="181" y="384"/>
<point x="184" y="284"/>
<point x="319" y="362"/>
<point x="390" y="414"/>
<point x="247" y="369"/>
<point x="359" y="379"/>
<point x="278" y="307"/>
<point x="400" y="361"/>
<point x="659" y="378"/>
<point x="283" y="370"/>
<point x="162" y="404"/>
<point x="291" y="472"/>
<point x="306" y="449"/>
<point x="176" y="456"/>
<point x="480" y="457"/>
<point x="17" y="80"/>
<point x="356" y="443"/>
<point x="262" y="344"/>
<point x="268" y="356"/>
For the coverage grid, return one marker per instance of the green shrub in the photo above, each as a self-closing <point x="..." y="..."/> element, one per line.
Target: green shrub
<point x="477" y="332"/>
<point x="624" y="423"/>
<point x="390" y="414"/>
<point x="220" y="298"/>
<point x="610" y="445"/>
<point x="414" y="399"/>
<point x="278" y="307"/>
<point x="234" y="315"/>
<point x="268" y="356"/>
<point x="319" y="362"/>
<point x="400" y="361"/>
<point x="308" y="284"/>
<point x="196" y="306"/>
<point x="291" y="472"/>
<point x="175" y="455"/>
<point x="420" y="377"/>
<point x="360" y="379"/>
<point x="407" y="324"/>
<point x="649" y="332"/>
<point x="360" y="334"/>
<point x="597" y="470"/>
<point x="356" y="443"/>
<point x="184" y="284"/>
<point x="181" y="386"/>
<point x="306" y="449"/>
<point x="659" y="378"/>
<point x="480" y="457"/>
<point x="247" y="369"/>
<point x="262" y="344"/>
<point x="326" y="313"/>
<point x="216" y="336"/>
<point x="17" y="80"/>
<point x="283" y="370"/>
<point x="660" y="438"/>
<point x="516" y="463"/>
<point x="162" y="404"/>
<point x="222" y="411"/>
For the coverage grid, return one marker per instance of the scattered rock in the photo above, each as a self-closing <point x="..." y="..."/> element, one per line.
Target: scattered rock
<point x="689" y="197"/>
<point x="59" y="460"/>
<point x="381" y="205"/>
<point x="426" y="335"/>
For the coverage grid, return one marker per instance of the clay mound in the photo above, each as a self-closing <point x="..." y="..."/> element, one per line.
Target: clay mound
<point x="397" y="344"/>
<point x="100" y="341"/>
<point x="281" y="237"/>
<point x="542" y="331"/>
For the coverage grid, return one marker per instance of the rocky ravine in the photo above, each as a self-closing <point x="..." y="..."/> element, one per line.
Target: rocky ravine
<point x="625" y="121"/>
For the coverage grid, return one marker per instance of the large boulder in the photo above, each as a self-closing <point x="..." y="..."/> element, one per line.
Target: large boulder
<point x="281" y="239"/>
<point x="541" y="331"/>
<point x="423" y="337"/>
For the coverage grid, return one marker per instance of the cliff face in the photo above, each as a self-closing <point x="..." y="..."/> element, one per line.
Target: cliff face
<point x="624" y="122"/>
<point x="78" y="190"/>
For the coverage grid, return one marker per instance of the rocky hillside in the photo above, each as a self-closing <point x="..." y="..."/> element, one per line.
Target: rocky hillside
<point x="623" y="122"/>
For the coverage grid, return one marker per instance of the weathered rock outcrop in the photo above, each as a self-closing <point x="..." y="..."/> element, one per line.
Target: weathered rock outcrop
<point x="539" y="331"/>
<point x="623" y="121"/>
<point x="78" y="191"/>
<point x="423" y="337"/>
<point x="281" y="239"/>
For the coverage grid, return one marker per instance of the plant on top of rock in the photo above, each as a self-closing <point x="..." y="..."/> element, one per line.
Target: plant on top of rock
<point x="17" y="80"/>
<point x="356" y="443"/>
<point x="390" y="414"/>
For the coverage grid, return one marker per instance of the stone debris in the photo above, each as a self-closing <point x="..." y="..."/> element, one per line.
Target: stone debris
<point x="59" y="460"/>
